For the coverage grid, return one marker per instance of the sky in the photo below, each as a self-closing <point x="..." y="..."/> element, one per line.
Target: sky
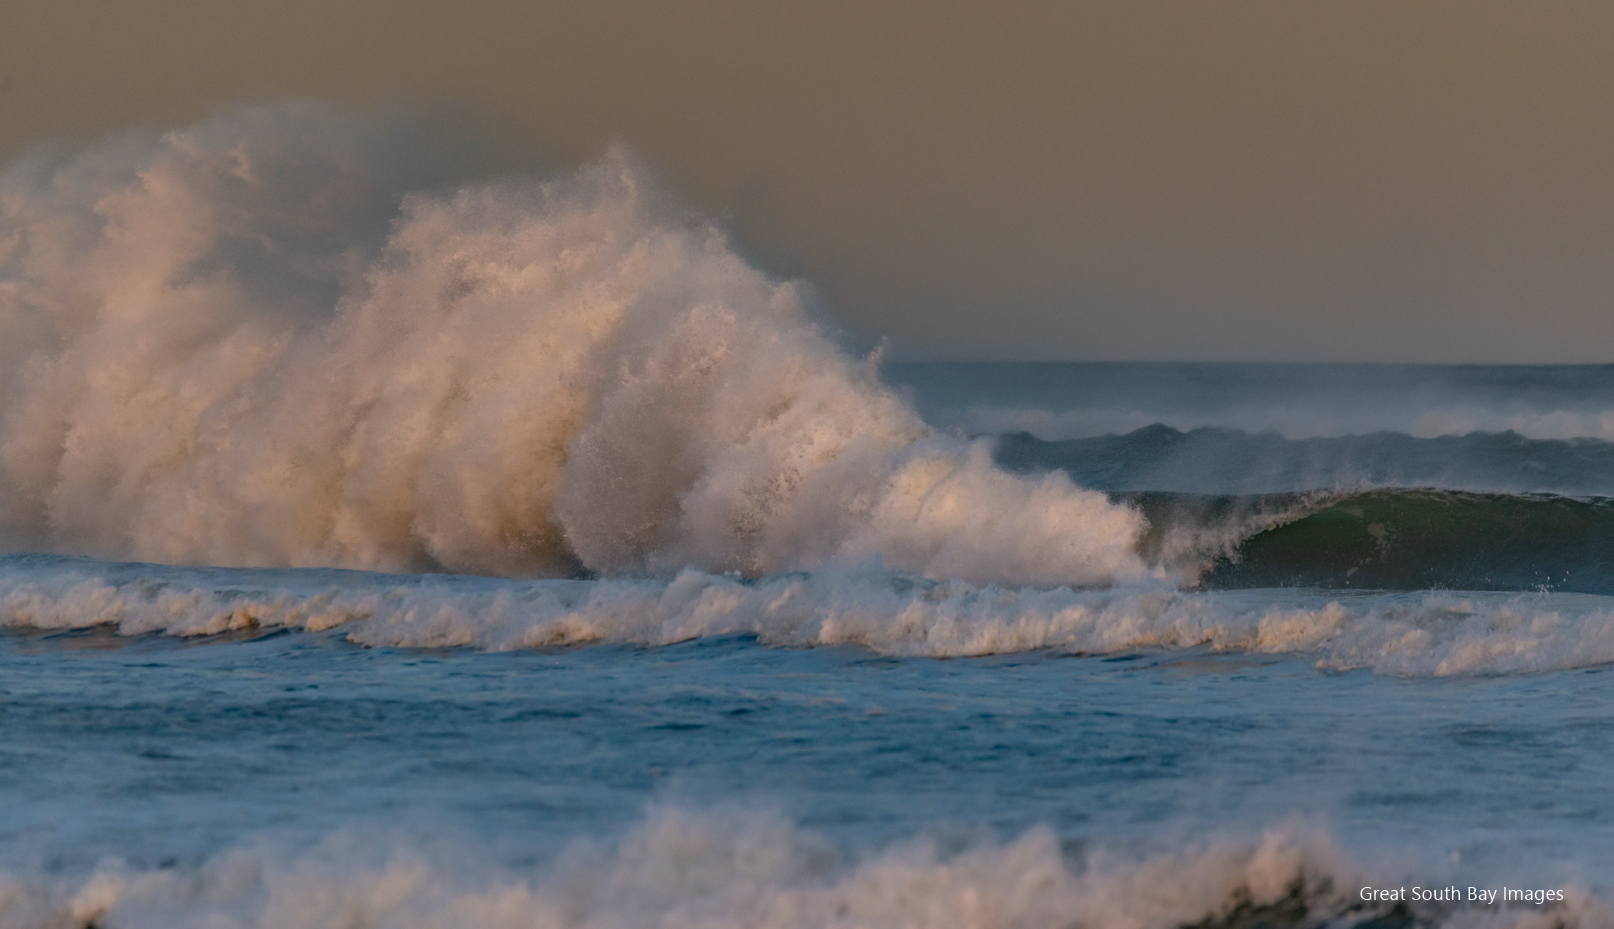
<point x="1248" y="181"/>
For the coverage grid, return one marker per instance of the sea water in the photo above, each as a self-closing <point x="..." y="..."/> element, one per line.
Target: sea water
<point x="387" y="550"/>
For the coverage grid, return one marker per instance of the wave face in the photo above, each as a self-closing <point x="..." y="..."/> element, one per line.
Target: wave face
<point x="267" y="341"/>
<point x="1417" y="539"/>
<point x="1422" y="539"/>
<point x="681" y="868"/>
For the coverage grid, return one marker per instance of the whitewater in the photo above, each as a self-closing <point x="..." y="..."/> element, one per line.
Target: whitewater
<point x="388" y="543"/>
<point x="204" y="362"/>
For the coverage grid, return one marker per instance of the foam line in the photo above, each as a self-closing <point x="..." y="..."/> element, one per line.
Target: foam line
<point x="721" y="869"/>
<point x="1414" y="634"/>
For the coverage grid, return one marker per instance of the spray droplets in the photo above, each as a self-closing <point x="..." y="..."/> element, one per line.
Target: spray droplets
<point x="278" y="339"/>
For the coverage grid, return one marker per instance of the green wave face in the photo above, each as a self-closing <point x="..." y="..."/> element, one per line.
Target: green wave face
<point x="1401" y="540"/>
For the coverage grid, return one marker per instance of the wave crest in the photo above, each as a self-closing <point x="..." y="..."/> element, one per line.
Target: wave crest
<point x="1414" y="634"/>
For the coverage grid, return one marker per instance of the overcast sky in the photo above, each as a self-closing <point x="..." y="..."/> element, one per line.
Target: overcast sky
<point x="1300" y="180"/>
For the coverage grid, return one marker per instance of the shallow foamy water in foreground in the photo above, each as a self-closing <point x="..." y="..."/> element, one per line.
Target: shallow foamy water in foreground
<point x="295" y="778"/>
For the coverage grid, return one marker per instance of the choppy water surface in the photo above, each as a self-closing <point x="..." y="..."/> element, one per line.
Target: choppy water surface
<point x="165" y="753"/>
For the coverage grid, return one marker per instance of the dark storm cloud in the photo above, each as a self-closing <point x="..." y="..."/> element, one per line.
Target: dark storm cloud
<point x="1364" y="180"/>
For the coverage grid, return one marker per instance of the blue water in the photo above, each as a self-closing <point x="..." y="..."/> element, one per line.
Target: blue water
<point x="167" y="752"/>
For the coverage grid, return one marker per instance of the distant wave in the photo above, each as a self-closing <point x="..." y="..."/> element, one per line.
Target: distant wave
<point x="1306" y="418"/>
<point x="682" y="868"/>
<point x="1230" y="461"/>
<point x="277" y="339"/>
<point x="1415" y="634"/>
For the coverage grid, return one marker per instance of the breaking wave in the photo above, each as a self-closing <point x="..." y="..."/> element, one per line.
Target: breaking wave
<point x="1414" y="634"/>
<point x="279" y="339"/>
<point x="680" y="868"/>
<point x="1422" y="539"/>
<point x="1407" y="539"/>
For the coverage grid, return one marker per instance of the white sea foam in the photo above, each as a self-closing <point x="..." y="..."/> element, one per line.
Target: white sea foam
<point x="683" y="869"/>
<point x="1419" y="634"/>
<point x="250" y="343"/>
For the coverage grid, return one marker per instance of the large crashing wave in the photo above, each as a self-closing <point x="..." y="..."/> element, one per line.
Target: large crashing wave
<point x="268" y="340"/>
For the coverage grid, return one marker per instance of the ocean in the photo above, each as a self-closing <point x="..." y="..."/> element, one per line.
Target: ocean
<point x="385" y="549"/>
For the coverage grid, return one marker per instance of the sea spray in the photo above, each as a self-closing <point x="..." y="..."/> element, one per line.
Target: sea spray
<point x="252" y="342"/>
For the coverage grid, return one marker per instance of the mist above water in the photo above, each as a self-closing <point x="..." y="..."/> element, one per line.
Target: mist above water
<point x="279" y="338"/>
